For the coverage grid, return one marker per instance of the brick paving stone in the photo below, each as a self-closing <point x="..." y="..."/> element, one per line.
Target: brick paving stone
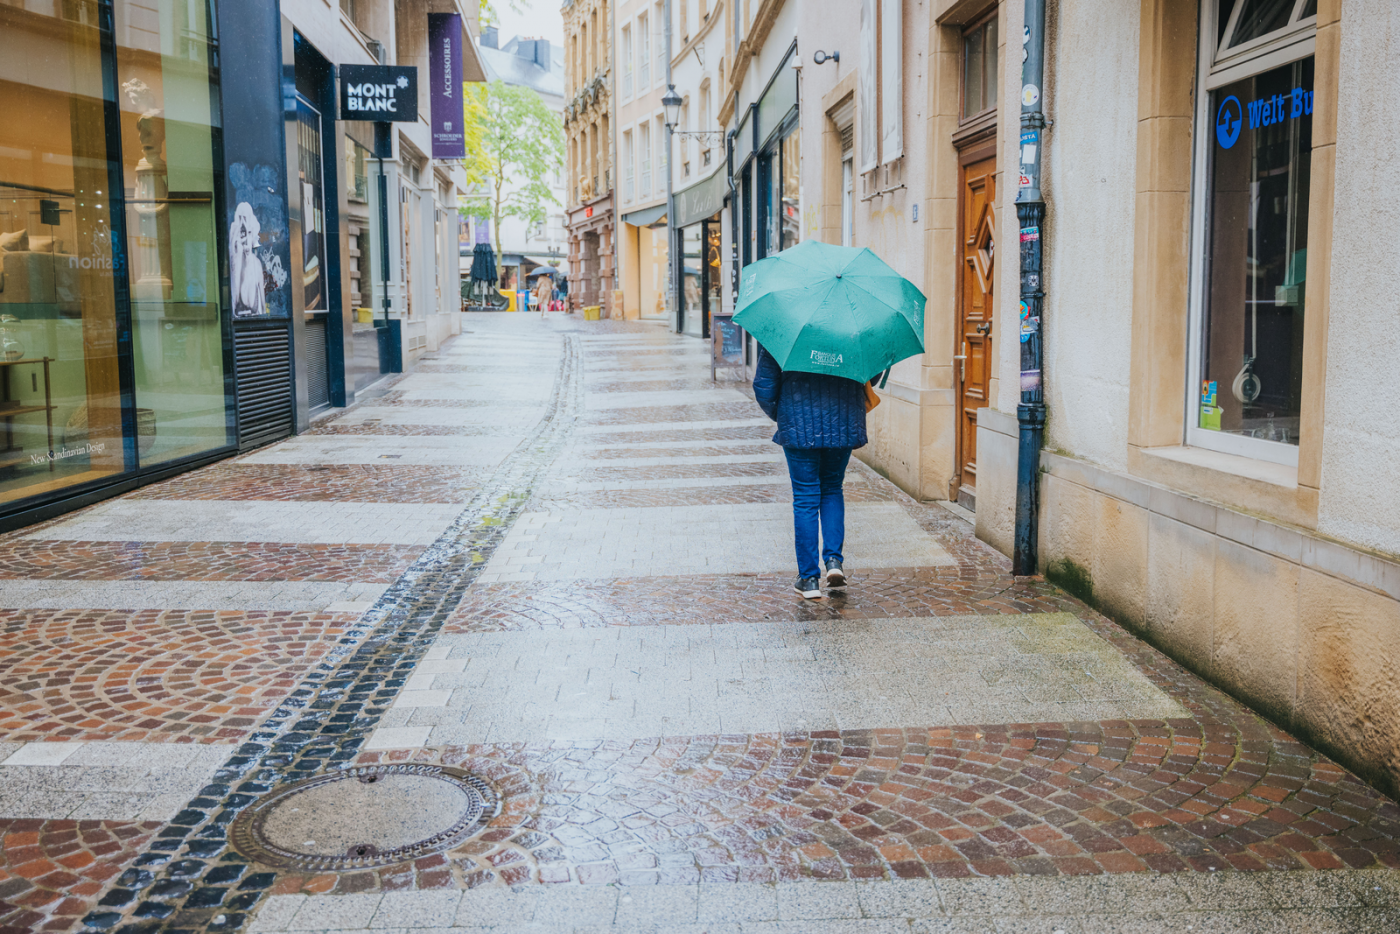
<point x="885" y="593"/>
<point x="52" y="871"/>
<point x="360" y="483"/>
<point x="677" y="471"/>
<point x="1022" y="799"/>
<point x="30" y="559"/>
<point x="1219" y="794"/>
<point x="641" y="415"/>
<point x="397" y="398"/>
<point x="688" y="451"/>
<point x="733" y="433"/>
<point x="656" y="385"/>
<point x="376" y="428"/>
<point x="152" y="675"/>
<point x="692" y="496"/>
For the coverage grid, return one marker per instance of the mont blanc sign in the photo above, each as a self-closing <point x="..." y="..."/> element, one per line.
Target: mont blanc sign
<point x="387" y="93"/>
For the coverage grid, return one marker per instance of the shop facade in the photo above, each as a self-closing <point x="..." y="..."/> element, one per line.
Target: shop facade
<point x="1217" y="341"/>
<point x="175" y="273"/>
<point x="701" y="221"/>
<point x="590" y="218"/>
<point x="639" y="38"/>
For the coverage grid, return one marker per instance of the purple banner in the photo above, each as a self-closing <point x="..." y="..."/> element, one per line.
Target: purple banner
<point x="445" y="85"/>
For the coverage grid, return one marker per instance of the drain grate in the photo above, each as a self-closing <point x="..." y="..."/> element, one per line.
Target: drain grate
<point x="360" y="818"/>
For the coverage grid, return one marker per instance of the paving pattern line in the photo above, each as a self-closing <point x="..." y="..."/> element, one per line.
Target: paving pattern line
<point x="188" y="879"/>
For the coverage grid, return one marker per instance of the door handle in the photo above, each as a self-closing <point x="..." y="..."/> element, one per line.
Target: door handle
<point x="984" y="327"/>
<point x="963" y="355"/>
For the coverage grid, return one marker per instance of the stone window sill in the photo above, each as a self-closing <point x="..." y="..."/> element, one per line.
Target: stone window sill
<point x="1233" y="464"/>
<point x="1258" y="487"/>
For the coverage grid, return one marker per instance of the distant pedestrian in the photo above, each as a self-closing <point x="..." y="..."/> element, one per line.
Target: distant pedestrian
<point x="544" y="289"/>
<point x="821" y="418"/>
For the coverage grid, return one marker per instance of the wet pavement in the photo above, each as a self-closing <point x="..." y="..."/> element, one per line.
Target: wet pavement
<point x="557" y="556"/>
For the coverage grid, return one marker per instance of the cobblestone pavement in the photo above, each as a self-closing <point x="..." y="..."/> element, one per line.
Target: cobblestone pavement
<point x="556" y="555"/>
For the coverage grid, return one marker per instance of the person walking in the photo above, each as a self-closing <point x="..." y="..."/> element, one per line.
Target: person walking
<point x="821" y="419"/>
<point x="544" y="288"/>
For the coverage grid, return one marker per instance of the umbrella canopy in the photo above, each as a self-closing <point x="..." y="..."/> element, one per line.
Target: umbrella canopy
<point x="542" y="271"/>
<point x="483" y="263"/>
<point x="819" y="308"/>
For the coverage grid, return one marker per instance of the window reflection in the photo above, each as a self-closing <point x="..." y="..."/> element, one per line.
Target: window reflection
<point x="60" y="399"/>
<point x="1252" y="380"/>
<point x="168" y="119"/>
<point x="790" y="207"/>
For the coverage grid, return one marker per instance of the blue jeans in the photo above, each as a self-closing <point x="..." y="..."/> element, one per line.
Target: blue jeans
<point x="817" y="475"/>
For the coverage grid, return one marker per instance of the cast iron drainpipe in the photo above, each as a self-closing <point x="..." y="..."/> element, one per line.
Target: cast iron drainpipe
<point x="1030" y="213"/>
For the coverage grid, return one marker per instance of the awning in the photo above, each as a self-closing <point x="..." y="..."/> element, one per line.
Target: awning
<point x="701" y="200"/>
<point x="513" y="259"/>
<point x="544" y="260"/>
<point x="645" y="217"/>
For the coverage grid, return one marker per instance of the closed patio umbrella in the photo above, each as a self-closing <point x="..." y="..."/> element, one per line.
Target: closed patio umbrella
<point x="484" y="264"/>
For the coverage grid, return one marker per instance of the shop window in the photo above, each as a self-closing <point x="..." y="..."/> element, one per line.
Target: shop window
<point x="780" y="198"/>
<point x="315" y="295"/>
<point x="979" y="73"/>
<point x="791" y="191"/>
<point x="356" y="173"/>
<point x="107" y="227"/>
<point x="691" y="286"/>
<point x="1252" y="234"/>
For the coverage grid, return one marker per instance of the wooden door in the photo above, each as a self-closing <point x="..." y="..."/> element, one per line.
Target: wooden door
<point x="976" y="244"/>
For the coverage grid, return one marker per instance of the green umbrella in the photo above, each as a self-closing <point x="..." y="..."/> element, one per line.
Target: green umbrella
<point x="820" y="308"/>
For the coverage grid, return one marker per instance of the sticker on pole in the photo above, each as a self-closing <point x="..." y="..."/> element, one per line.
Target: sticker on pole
<point x="1029" y="323"/>
<point x="1030" y="141"/>
<point x="1030" y="94"/>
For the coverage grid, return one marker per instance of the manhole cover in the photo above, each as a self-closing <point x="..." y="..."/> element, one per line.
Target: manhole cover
<point x="369" y="816"/>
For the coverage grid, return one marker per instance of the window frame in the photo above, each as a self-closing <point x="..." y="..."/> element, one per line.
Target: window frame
<point x="627" y="69"/>
<point x="629" y="190"/>
<point x="1292" y="43"/>
<point x="981" y="22"/>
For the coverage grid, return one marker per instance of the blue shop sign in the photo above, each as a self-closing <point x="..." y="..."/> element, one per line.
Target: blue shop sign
<point x="1264" y="111"/>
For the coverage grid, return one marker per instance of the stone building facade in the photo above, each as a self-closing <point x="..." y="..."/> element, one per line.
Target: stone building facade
<point x="588" y="119"/>
<point x="1219" y="346"/>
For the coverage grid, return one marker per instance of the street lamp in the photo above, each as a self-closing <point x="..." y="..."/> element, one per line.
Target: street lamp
<point x="671" y="106"/>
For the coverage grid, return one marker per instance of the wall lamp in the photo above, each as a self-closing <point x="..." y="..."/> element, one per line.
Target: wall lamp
<point x="821" y="58"/>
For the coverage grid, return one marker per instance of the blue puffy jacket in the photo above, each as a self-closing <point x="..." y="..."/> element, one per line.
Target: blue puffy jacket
<point x="812" y="410"/>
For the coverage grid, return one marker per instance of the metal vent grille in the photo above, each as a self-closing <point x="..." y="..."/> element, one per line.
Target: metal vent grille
<point x="848" y="139"/>
<point x="262" y="368"/>
<point x="318" y="383"/>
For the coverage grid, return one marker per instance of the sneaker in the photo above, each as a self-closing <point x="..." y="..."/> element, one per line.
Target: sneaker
<point x="835" y="577"/>
<point x="809" y="587"/>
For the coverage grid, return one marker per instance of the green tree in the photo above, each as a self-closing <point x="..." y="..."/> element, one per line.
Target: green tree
<point x="514" y="144"/>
